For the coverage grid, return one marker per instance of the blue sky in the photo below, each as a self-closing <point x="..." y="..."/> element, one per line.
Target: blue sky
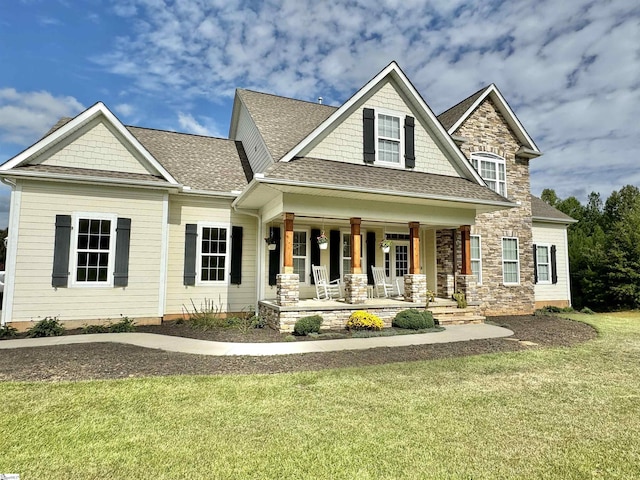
<point x="570" y="70"/>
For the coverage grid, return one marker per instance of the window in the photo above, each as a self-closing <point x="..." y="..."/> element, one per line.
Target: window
<point x="510" y="261"/>
<point x="389" y="144"/>
<point x="492" y="169"/>
<point x="300" y="253"/>
<point x="476" y="258"/>
<point x="213" y="252"/>
<point x="543" y="263"/>
<point x="94" y="245"/>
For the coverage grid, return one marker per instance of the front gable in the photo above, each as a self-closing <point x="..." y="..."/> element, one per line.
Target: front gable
<point x="344" y="142"/>
<point x="94" y="140"/>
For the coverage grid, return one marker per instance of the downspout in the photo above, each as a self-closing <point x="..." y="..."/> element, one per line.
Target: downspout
<point x="8" y="245"/>
<point x="259" y="254"/>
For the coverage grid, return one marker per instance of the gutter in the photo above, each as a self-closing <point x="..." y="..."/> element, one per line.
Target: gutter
<point x="554" y="220"/>
<point x="276" y="181"/>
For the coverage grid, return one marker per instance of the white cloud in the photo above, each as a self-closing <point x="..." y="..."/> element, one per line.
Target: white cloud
<point x="569" y="69"/>
<point x="189" y="124"/>
<point x="124" y="109"/>
<point x="26" y="116"/>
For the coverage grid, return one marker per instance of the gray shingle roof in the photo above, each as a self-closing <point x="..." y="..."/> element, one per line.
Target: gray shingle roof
<point x="449" y="117"/>
<point x="202" y="163"/>
<point x="541" y="209"/>
<point x="283" y="122"/>
<point x="371" y="178"/>
<point x="89" y="172"/>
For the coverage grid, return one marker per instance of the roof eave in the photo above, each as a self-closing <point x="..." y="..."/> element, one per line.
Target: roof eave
<point x="553" y="220"/>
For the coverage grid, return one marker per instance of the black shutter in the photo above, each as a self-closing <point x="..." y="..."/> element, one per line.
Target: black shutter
<point x="274" y="256"/>
<point x="236" y="255"/>
<point x="369" y="135"/>
<point x="334" y="254"/>
<point x="409" y="143"/>
<point x="121" y="271"/>
<point x="60" y="274"/>
<point x="315" y="251"/>
<point x="371" y="255"/>
<point x="190" y="245"/>
<point x="535" y="263"/>
<point x="554" y="268"/>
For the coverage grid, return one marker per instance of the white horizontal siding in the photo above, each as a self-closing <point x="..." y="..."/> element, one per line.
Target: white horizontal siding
<point x="553" y="234"/>
<point x="344" y="143"/>
<point x="252" y="142"/>
<point x="34" y="296"/>
<point x="184" y="209"/>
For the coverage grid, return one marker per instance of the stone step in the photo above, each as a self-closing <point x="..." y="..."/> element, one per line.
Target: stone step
<point x="462" y="320"/>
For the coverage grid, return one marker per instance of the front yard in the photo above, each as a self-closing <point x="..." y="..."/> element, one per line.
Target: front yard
<point x="542" y="413"/>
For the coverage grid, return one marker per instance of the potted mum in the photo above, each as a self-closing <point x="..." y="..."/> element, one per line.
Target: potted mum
<point x="385" y="245"/>
<point x="323" y="241"/>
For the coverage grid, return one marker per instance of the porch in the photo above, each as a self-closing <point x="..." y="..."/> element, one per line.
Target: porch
<point x="335" y="313"/>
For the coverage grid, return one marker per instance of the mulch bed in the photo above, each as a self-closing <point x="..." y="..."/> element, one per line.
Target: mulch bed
<point x="112" y="360"/>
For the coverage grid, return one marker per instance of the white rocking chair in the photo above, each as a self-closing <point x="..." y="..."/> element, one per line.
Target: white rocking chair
<point x="325" y="289"/>
<point x="383" y="287"/>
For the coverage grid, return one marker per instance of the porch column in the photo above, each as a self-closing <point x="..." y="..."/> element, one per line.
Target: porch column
<point x="288" y="242"/>
<point x="465" y="234"/>
<point x="414" y="247"/>
<point x="356" y="241"/>
<point x="355" y="282"/>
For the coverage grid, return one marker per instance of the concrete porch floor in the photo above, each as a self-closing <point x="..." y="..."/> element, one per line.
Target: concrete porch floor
<point x="311" y="304"/>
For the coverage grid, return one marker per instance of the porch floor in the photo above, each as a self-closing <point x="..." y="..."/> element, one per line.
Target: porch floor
<point x="309" y="304"/>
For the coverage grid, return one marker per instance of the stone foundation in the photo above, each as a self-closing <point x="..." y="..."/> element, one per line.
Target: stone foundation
<point x="467" y="284"/>
<point x="334" y="318"/>
<point x="355" y="288"/>
<point x="415" y="287"/>
<point x="287" y="289"/>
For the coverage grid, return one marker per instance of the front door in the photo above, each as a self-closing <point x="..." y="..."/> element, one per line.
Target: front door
<point x="397" y="263"/>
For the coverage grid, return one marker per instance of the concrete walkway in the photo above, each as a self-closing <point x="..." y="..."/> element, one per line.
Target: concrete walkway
<point x="452" y="333"/>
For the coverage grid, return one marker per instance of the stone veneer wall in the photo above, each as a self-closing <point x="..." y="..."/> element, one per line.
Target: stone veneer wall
<point x="487" y="131"/>
<point x="444" y="263"/>
<point x="284" y="319"/>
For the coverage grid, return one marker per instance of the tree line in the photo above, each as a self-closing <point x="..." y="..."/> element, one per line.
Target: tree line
<point x="604" y="248"/>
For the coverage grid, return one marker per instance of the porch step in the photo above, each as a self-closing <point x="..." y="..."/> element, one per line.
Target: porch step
<point x="447" y="313"/>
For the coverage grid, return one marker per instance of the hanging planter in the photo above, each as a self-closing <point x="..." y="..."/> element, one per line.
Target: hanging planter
<point x="323" y="241"/>
<point x="271" y="243"/>
<point x="385" y="245"/>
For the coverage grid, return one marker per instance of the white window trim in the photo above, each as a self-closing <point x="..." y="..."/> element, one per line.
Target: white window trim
<point x="307" y="256"/>
<point x="517" y="262"/>
<point x="498" y="160"/>
<point x="75" y="218"/>
<point x="363" y="252"/>
<point x="227" y="255"/>
<point x="548" y="247"/>
<point x="400" y="116"/>
<point x="479" y="259"/>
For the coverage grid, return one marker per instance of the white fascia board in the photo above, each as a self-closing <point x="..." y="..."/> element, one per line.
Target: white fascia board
<point x="248" y="189"/>
<point x="277" y="181"/>
<point x="554" y="220"/>
<point x="55" y="177"/>
<point x="505" y="109"/>
<point x="77" y="122"/>
<point x="418" y="102"/>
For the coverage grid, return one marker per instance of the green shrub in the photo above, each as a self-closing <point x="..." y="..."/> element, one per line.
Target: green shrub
<point x="124" y="325"/>
<point x="551" y="310"/>
<point x="47" y="327"/>
<point x="587" y="311"/>
<point x="7" y="331"/>
<point x="413" y="319"/>
<point x="361" y="320"/>
<point x="207" y="317"/>
<point x="95" y="329"/>
<point x="289" y="338"/>
<point x="307" y="325"/>
<point x="461" y="299"/>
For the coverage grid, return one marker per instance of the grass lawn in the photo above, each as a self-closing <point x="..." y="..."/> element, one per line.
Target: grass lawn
<point x="557" y="413"/>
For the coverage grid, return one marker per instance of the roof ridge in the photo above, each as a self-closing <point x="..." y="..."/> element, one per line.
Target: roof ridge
<point x="288" y="98"/>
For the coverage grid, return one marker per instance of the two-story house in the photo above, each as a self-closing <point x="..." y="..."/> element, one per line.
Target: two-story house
<point x="109" y="220"/>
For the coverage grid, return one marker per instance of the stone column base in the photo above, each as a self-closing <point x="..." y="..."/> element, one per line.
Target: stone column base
<point x="287" y="289"/>
<point x="468" y="285"/>
<point x="355" y="286"/>
<point x="415" y="287"/>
